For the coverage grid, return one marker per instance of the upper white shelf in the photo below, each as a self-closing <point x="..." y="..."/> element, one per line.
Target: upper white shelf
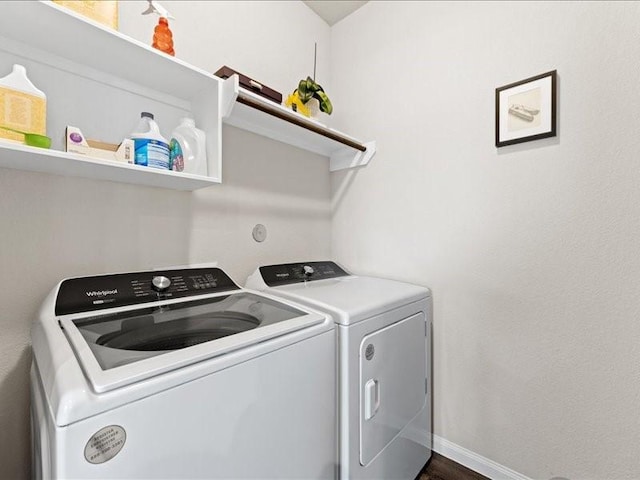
<point x="246" y="110"/>
<point x="63" y="33"/>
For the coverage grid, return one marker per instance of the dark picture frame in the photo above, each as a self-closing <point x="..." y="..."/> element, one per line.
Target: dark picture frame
<point x="526" y="110"/>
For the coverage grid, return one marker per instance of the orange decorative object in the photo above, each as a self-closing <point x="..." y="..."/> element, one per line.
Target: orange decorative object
<point x="162" y="37"/>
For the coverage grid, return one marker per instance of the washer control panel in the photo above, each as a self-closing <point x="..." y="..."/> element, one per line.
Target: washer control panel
<point x="86" y="294"/>
<point x="284" y="274"/>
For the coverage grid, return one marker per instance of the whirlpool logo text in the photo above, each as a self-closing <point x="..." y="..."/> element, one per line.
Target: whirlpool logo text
<point x="101" y="293"/>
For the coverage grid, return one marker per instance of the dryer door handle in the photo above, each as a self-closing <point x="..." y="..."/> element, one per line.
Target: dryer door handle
<point x="371" y="398"/>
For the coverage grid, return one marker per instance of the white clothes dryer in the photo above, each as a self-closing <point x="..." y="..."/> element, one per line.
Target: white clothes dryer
<point x="180" y="374"/>
<point x="383" y="335"/>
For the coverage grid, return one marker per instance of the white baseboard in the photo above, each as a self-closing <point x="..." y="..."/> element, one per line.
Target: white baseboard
<point x="473" y="461"/>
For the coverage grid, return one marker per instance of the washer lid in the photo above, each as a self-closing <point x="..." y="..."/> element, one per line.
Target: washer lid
<point x="352" y="298"/>
<point x="123" y="347"/>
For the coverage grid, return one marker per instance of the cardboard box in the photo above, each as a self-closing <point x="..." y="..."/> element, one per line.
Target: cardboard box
<point x="251" y="85"/>
<point x="102" y="11"/>
<point x="77" y="143"/>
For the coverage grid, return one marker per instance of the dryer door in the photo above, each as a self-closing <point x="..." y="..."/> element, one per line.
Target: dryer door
<point x="392" y="382"/>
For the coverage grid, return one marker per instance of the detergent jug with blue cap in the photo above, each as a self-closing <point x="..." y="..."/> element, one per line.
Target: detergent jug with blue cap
<point x="151" y="148"/>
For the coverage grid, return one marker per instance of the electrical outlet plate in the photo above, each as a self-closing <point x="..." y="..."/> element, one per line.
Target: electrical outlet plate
<point x="259" y="233"/>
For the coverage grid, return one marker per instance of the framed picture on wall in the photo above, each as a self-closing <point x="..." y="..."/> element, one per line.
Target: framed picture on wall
<point x="526" y="110"/>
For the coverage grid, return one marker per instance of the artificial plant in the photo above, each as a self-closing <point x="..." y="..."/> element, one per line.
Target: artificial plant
<point x="308" y="89"/>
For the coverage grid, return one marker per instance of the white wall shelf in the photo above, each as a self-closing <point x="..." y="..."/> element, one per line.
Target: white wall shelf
<point x="108" y="73"/>
<point x="59" y="31"/>
<point x="33" y="159"/>
<point x="246" y="110"/>
<point x="90" y="57"/>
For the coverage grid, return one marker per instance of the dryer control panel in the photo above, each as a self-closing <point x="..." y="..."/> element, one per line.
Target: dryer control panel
<point x="287" y="273"/>
<point x="87" y="294"/>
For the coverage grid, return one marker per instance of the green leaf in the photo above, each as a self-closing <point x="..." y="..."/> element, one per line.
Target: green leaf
<point x="325" y="103"/>
<point x="313" y="86"/>
<point x="304" y="92"/>
<point x="308" y="89"/>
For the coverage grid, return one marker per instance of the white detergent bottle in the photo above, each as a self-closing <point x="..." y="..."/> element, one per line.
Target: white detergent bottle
<point x="151" y="148"/>
<point x="24" y="107"/>
<point x="188" y="148"/>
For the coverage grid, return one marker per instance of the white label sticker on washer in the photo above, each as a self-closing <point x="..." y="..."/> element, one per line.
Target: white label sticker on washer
<point x="105" y="444"/>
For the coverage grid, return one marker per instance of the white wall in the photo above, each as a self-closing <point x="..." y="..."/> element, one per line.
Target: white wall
<point x="54" y="227"/>
<point x="532" y="251"/>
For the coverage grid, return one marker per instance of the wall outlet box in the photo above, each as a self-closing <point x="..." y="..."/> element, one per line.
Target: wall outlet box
<point x="77" y="143"/>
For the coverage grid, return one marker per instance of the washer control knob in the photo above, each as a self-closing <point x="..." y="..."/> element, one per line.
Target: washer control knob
<point x="307" y="270"/>
<point x="160" y="283"/>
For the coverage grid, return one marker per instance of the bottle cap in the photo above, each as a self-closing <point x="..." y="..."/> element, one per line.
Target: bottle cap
<point x="146" y="114"/>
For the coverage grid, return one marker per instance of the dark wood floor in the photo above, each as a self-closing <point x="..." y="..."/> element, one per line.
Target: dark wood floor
<point x="441" y="468"/>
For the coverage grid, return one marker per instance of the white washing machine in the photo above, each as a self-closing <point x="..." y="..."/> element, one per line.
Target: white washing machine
<point x="383" y="332"/>
<point x="180" y="374"/>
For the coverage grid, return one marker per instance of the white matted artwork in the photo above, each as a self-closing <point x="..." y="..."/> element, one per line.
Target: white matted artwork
<point x="526" y="110"/>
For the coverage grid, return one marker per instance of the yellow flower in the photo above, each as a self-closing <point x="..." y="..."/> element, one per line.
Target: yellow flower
<point x="293" y="101"/>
